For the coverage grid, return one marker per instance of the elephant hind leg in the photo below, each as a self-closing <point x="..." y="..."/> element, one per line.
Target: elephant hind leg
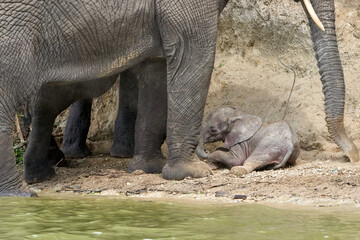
<point x="259" y="159"/>
<point x="293" y="152"/>
<point x="150" y="128"/>
<point x="124" y="130"/>
<point x="76" y="130"/>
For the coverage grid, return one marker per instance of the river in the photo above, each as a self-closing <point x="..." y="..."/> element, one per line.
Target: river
<point x="107" y="218"/>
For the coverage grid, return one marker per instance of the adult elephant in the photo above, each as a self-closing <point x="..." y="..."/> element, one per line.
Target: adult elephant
<point x="59" y="43"/>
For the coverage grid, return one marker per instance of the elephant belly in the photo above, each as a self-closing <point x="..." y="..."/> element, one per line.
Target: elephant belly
<point x="95" y="39"/>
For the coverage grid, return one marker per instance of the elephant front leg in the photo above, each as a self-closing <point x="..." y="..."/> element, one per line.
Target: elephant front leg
<point x="124" y="130"/>
<point x="10" y="181"/>
<point x="76" y="130"/>
<point x="188" y="32"/>
<point x="150" y="128"/>
<point x="217" y="158"/>
<point x="188" y="83"/>
<point x="230" y="158"/>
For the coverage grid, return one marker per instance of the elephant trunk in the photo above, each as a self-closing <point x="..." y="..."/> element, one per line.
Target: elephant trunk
<point x="200" y="149"/>
<point x="332" y="76"/>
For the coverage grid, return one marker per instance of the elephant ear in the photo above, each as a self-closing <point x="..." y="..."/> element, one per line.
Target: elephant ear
<point x="244" y="126"/>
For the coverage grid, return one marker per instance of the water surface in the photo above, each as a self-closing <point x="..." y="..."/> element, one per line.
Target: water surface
<point x="103" y="218"/>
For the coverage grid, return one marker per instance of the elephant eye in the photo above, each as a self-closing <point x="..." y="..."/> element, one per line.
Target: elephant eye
<point x="213" y="130"/>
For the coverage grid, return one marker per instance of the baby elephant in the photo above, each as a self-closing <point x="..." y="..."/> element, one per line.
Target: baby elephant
<point x="249" y="144"/>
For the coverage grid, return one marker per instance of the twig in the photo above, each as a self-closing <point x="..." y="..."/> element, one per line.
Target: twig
<point x="78" y="190"/>
<point x="18" y="129"/>
<point x="219" y="185"/>
<point x="279" y="60"/>
<point x="20" y="145"/>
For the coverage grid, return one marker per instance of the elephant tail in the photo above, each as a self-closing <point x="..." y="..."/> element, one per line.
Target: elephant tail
<point x="290" y="157"/>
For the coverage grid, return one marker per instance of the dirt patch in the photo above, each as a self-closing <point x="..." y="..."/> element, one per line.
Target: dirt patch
<point x="314" y="181"/>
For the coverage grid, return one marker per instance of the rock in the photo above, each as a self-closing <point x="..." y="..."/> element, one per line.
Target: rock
<point x="242" y="197"/>
<point x="138" y="172"/>
<point x="356" y="33"/>
<point x="220" y="194"/>
<point x="238" y="171"/>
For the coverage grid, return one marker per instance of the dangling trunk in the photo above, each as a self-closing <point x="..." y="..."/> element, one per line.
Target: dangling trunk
<point x="332" y="76"/>
<point x="200" y="149"/>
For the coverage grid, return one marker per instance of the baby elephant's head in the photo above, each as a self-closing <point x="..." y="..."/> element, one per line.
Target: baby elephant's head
<point x="229" y="125"/>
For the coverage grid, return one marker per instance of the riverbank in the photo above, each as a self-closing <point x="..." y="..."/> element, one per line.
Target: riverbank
<point x="314" y="181"/>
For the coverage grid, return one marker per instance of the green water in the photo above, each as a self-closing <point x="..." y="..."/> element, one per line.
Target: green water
<point x="103" y="218"/>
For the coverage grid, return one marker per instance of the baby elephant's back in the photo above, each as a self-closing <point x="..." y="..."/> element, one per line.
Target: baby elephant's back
<point x="278" y="131"/>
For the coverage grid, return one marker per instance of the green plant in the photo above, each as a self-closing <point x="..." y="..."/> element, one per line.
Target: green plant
<point x="220" y="66"/>
<point x="19" y="151"/>
<point x="19" y="155"/>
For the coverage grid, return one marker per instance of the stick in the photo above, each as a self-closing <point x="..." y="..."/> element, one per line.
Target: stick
<point x="18" y="129"/>
<point x="20" y="145"/>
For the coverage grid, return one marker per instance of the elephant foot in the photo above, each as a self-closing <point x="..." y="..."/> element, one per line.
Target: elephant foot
<point x="239" y="171"/>
<point x="212" y="165"/>
<point x="22" y="192"/>
<point x="40" y="173"/>
<point x="76" y="151"/>
<point x="148" y="165"/>
<point x="352" y="154"/>
<point x="181" y="170"/>
<point x="121" y="151"/>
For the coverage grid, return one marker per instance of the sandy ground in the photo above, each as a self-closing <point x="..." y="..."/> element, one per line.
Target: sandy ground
<point x="314" y="181"/>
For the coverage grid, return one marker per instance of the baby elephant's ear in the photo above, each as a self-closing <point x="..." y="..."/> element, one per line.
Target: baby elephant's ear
<point x="244" y="126"/>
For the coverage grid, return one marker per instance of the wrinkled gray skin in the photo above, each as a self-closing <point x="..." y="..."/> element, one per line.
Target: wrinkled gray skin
<point x="63" y="42"/>
<point x="42" y="153"/>
<point x="248" y="142"/>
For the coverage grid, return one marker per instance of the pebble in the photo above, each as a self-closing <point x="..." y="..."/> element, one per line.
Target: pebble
<point x="138" y="172"/>
<point x="220" y="194"/>
<point x="243" y="197"/>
